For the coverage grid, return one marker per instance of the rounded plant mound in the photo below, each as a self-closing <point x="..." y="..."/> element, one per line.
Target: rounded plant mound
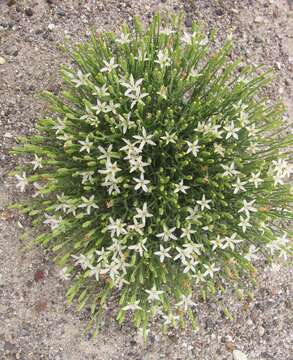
<point x="159" y="173"/>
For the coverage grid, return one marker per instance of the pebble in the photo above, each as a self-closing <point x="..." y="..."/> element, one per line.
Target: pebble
<point x="258" y="20"/>
<point x="51" y="27"/>
<point x="28" y="12"/>
<point x="2" y="60"/>
<point x="261" y="331"/>
<point x="61" y="13"/>
<point x="239" y="355"/>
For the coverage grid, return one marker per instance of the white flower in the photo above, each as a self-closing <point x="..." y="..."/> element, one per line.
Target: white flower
<point x="167" y="233"/>
<point x="250" y="256"/>
<point x="189" y="265"/>
<point x="231" y="130"/>
<point x="95" y="271"/>
<point x="204" y="204"/>
<point x="59" y="126"/>
<point x="137" y="97"/>
<point x="111" y="170"/>
<point x="154" y="294"/>
<point x="64" y="274"/>
<point x="85" y="261"/>
<point x="88" y="204"/>
<point x="231" y="241"/>
<point x="187" y="232"/>
<point x="247" y="207"/>
<point x="230" y="169"/>
<point x="239" y="185"/>
<point x="243" y="118"/>
<point x="244" y="223"/>
<point x="117" y="227"/>
<point x="181" y="188"/>
<point x="87" y="176"/>
<point x="252" y="148"/>
<point x="210" y="270"/>
<point x="194" y="214"/>
<point x="164" y="252"/>
<point x="52" y="221"/>
<point x="187" y="38"/>
<point x="217" y="243"/>
<point x="139" y="247"/>
<point x="86" y="145"/>
<point x="144" y="139"/>
<point x="136" y="164"/>
<point x="39" y="188"/>
<point x="123" y="39"/>
<point x="186" y="302"/>
<point x="143" y="213"/>
<point x="252" y="131"/>
<point x="100" y="107"/>
<point x="125" y="122"/>
<point x="219" y="149"/>
<point x="193" y="147"/>
<point x="111" y="107"/>
<point x="141" y="55"/>
<point x="170" y="319"/>
<point x="101" y="91"/>
<point x="37" y="163"/>
<point x="136" y="226"/>
<point x="134" y="306"/>
<point x="163" y="58"/>
<point x="169" y="138"/>
<point x="81" y="79"/>
<point x="106" y="154"/>
<point x="281" y="166"/>
<point x="255" y="179"/>
<point x="22" y="181"/>
<point x="109" y="66"/>
<point x="132" y="85"/>
<point x="141" y="183"/>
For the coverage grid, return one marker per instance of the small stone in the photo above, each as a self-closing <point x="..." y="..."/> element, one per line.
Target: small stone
<point x="230" y="346"/>
<point x="51" y="27"/>
<point x="261" y="331"/>
<point x="24" y="332"/>
<point x="28" y="12"/>
<point x="278" y="65"/>
<point x="8" y="135"/>
<point x="2" y="60"/>
<point x="188" y="22"/>
<point x="239" y="355"/>
<point x="258" y="20"/>
<point x="219" y="12"/>
<point x="61" y="13"/>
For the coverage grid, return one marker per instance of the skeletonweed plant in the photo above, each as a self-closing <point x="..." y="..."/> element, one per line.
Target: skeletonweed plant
<point x="161" y="171"/>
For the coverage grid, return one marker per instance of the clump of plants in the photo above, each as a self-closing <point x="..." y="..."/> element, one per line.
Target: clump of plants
<point x="160" y="173"/>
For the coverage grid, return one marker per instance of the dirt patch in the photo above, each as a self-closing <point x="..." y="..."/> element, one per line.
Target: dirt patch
<point x="36" y="322"/>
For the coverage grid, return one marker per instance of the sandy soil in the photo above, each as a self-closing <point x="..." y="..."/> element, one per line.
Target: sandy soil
<point x="36" y="323"/>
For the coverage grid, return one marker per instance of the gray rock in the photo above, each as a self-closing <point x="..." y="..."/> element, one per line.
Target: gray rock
<point x="239" y="355"/>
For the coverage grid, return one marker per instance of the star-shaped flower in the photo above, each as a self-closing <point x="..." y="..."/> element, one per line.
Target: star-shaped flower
<point x="167" y="233"/>
<point x="143" y="213"/>
<point x="204" y="203"/>
<point x="181" y="188"/>
<point x="231" y="131"/>
<point x="193" y="147"/>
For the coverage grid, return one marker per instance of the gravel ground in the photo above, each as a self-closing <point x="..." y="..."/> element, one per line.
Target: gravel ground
<point x="36" y="323"/>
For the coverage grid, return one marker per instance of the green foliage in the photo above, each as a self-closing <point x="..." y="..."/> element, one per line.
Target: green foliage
<point x="161" y="170"/>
